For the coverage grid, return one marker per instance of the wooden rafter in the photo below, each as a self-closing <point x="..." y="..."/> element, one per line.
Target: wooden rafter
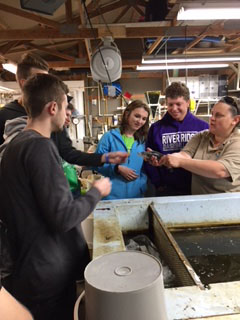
<point x="190" y="45"/>
<point x="81" y="49"/>
<point x="154" y="45"/>
<point x="68" y="10"/>
<point x="139" y="10"/>
<point x="28" y="15"/>
<point x="232" y="77"/>
<point x="118" y="31"/>
<point x="3" y="26"/>
<point x="86" y="64"/>
<point x="122" y="13"/>
<point x="93" y="5"/>
<point x="109" y="7"/>
<point x="197" y="39"/>
<point x="142" y="3"/>
<point x="87" y="41"/>
<point x="51" y="51"/>
<point x="11" y="44"/>
<point x="233" y="47"/>
<point x="51" y="45"/>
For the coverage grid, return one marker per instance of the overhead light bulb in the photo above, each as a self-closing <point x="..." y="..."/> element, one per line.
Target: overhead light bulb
<point x="170" y="60"/>
<point x="182" y="66"/>
<point x="209" y="11"/>
<point x="9" y="66"/>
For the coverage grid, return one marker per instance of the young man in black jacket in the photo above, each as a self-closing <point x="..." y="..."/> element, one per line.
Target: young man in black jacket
<point x="29" y="65"/>
<point x="43" y="219"/>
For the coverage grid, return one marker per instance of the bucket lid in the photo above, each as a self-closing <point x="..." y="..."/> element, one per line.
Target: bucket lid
<point x="123" y="271"/>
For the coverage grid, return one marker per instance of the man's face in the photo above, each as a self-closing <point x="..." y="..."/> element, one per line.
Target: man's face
<point x="60" y="117"/>
<point x="68" y="117"/>
<point x="177" y="108"/>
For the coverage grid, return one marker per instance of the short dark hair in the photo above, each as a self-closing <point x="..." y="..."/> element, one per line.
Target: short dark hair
<point x="29" y="61"/>
<point x="176" y="90"/>
<point x="70" y="106"/>
<point x="40" y="89"/>
<point x="233" y="104"/>
<point x="141" y="134"/>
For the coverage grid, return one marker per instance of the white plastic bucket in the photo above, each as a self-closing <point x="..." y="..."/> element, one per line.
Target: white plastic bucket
<point x="124" y="285"/>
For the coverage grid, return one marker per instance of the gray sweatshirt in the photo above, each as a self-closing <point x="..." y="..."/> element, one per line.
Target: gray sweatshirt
<point x="12" y="128"/>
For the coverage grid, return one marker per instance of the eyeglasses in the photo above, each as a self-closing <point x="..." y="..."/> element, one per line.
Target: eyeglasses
<point x="230" y="101"/>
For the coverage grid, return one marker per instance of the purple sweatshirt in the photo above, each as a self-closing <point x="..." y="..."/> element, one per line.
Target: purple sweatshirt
<point x="168" y="136"/>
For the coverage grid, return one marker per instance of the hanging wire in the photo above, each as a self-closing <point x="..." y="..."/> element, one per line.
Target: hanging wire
<point x="166" y="59"/>
<point x="101" y="15"/>
<point x="99" y="49"/>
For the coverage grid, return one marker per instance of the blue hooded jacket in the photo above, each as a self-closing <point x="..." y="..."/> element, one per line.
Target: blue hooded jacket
<point x="168" y="136"/>
<point x="121" y="188"/>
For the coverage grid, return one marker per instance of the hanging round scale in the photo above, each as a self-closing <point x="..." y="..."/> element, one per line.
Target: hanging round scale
<point x="113" y="63"/>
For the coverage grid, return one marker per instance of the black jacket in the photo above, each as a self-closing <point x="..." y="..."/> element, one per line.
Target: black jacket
<point x="63" y="142"/>
<point x="43" y="220"/>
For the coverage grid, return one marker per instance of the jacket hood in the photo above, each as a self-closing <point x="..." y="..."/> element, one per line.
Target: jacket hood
<point x="12" y="129"/>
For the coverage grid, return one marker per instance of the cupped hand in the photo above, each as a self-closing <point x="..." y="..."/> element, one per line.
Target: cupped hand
<point x="127" y="173"/>
<point x="104" y="186"/>
<point x="172" y="161"/>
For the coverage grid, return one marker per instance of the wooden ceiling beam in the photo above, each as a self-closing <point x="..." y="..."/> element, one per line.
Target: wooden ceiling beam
<point x="232" y="77"/>
<point x="139" y="11"/>
<point x="109" y="7"/>
<point x="93" y="5"/>
<point x="81" y="49"/>
<point x="11" y="44"/>
<point x="233" y="48"/>
<point x="28" y="15"/>
<point x="51" y="51"/>
<point x="154" y="45"/>
<point x="51" y="45"/>
<point x="117" y="31"/>
<point x="198" y="39"/>
<point x="122" y="13"/>
<point x="68" y="11"/>
<point x="83" y="20"/>
<point x="85" y="64"/>
<point x="142" y="3"/>
<point x="142" y="75"/>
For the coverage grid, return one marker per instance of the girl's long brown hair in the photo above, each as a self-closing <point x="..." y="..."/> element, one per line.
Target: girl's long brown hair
<point x="141" y="134"/>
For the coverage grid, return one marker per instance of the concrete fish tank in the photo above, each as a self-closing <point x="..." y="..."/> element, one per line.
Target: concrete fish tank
<point x="197" y="238"/>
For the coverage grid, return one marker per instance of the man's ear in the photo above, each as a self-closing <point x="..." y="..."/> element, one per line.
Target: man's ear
<point x="52" y="108"/>
<point x="21" y="82"/>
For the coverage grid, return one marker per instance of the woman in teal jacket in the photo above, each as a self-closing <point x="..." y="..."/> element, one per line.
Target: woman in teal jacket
<point x="128" y="180"/>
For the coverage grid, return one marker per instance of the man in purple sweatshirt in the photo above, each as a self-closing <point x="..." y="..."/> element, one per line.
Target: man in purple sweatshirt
<point x="169" y="135"/>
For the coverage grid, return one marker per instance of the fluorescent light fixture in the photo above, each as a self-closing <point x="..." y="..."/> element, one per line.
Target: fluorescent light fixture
<point x="9" y="66"/>
<point x="209" y="11"/>
<point x="182" y="66"/>
<point x="5" y="89"/>
<point x="188" y="59"/>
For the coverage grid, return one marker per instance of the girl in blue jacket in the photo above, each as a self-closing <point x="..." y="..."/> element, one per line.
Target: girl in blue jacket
<point x="128" y="180"/>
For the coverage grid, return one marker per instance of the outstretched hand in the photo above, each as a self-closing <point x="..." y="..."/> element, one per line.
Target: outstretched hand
<point x="115" y="157"/>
